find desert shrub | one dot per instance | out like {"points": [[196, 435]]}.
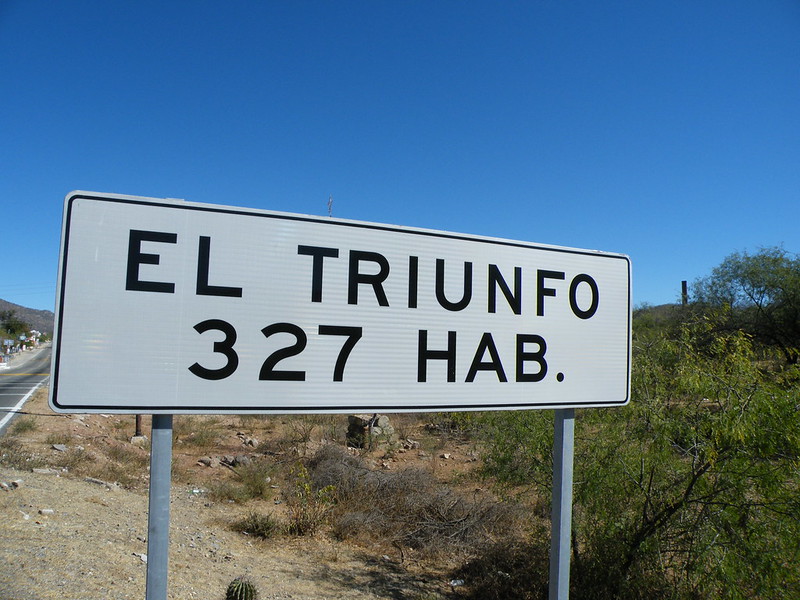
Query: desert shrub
{"points": [[201, 432], [255, 478], [128, 455], [251, 480], [14, 455], [23, 425], [227, 491], [113, 472], [254, 422], [307, 506], [301, 428], [409, 508], [126, 465], [259, 525], [506, 570], [75, 460], [58, 438]]}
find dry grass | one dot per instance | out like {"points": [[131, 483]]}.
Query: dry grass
{"points": [[58, 438], [14, 454], [23, 425], [260, 525], [75, 460], [197, 432], [251, 481], [409, 509], [507, 570]]}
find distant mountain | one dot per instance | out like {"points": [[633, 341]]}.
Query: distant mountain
{"points": [[40, 320]]}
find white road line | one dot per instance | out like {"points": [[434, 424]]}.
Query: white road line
{"points": [[19, 404]]}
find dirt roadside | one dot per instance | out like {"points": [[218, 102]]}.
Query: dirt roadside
{"points": [[64, 537], [91, 548]]}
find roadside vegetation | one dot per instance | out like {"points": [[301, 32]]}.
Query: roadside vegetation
{"points": [[690, 492]]}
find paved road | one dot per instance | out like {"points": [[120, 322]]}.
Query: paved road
{"points": [[18, 382]]}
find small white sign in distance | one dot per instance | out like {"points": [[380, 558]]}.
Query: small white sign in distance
{"points": [[167, 306]]}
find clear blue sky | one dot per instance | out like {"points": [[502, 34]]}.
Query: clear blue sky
{"points": [[668, 131]]}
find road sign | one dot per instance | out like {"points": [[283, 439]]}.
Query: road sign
{"points": [[170, 307]]}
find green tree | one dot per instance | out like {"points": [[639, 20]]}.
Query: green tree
{"points": [[688, 492], [761, 293], [11, 324]]}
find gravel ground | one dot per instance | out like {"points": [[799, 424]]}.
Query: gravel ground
{"points": [[64, 537], [90, 548]]}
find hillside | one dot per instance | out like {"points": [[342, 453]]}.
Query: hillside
{"points": [[75, 522], [41, 320]]}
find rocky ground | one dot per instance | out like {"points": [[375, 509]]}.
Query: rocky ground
{"points": [[71, 532]]}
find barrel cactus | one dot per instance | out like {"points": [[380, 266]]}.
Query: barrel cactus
{"points": [[241, 588]]}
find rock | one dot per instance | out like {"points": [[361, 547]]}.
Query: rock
{"points": [[139, 440], [60, 447], [445, 456], [110, 486], [4, 486], [209, 461], [359, 420], [241, 460], [46, 471], [16, 484], [46, 511], [369, 430]]}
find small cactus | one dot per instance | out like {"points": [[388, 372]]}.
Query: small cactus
{"points": [[241, 588]]}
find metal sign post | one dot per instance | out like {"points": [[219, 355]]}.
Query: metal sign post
{"points": [[561, 519], [158, 511]]}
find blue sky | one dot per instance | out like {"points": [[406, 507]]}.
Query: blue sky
{"points": [[668, 131]]}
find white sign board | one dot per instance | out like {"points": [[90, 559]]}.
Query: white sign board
{"points": [[167, 306]]}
